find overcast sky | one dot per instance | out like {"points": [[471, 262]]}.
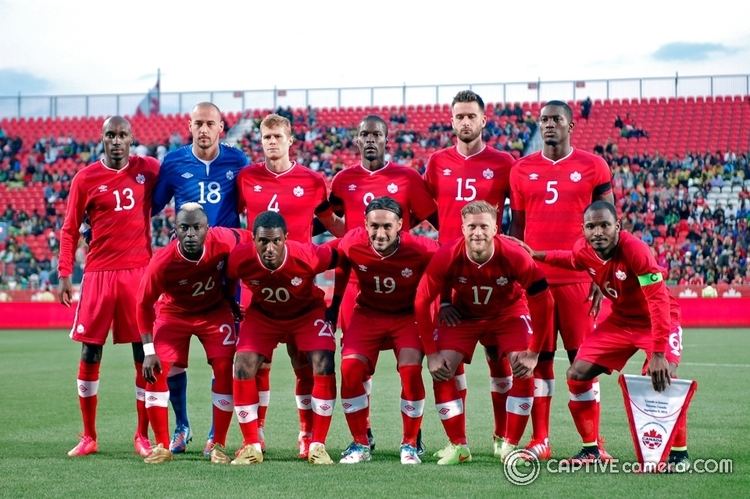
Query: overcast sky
{"points": [[95, 46]]}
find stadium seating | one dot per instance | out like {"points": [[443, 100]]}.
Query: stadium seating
{"points": [[703, 128]]}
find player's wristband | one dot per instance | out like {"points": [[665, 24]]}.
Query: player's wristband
{"points": [[148, 349]]}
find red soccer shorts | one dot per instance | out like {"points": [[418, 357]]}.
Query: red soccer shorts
{"points": [[611, 345], [572, 317], [107, 300], [510, 332], [370, 331], [261, 334], [214, 329]]}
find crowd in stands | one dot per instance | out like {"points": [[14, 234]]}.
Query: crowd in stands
{"points": [[665, 201]]}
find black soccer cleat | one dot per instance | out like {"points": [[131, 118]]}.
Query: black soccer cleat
{"points": [[371, 439], [421, 447]]}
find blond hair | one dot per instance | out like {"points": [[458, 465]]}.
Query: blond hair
{"points": [[274, 120], [478, 207]]}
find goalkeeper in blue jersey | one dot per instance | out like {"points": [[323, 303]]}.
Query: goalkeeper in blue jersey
{"points": [[202, 172]]}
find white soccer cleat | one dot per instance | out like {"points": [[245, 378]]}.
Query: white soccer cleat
{"points": [[410, 455], [358, 453]]}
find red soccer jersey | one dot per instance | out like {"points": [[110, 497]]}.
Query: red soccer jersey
{"points": [[187, 287], [479, 291], [354, 187], [290, 290], [454, 180], [554, 195], [118, 204], [386, 284], [294, 194], [632, 280]]}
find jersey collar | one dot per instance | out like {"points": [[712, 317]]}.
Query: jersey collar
{"points": [[277, 175], [559, 160], [373, 172], [484, 146], [182, 255]]}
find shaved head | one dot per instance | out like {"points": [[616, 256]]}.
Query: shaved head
{"points": [[113, 121]]}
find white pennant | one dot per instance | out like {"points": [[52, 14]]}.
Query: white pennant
{"points": [[652, 416]]}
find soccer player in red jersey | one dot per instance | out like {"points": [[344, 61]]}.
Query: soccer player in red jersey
{"points": [[284, 186], [549, 191], [388, 263], [354, 187], [487, 276], [456, 176], [644, 317], [287, 307], [115, 194], [187, 280]]}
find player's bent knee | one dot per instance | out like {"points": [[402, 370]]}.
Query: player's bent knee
{"points": [[246, 365], [322, 362], [409, 357], [138, 355], [576, 373], [90, 353], [490, 353], [584, 371]]}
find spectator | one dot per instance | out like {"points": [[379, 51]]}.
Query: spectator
{"points": [[586, 108]]}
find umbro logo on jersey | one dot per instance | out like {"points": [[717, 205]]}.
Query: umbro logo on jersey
{"points": [[220, 265], [575, 177], [488, 174], [621, 275], [298, 191], [296, 281], [533, 176], [257, 188], [463, 280], [592, 271], [407, 272], [502, 281], [187, 175], [103, 188], [140, 178], [230, 175], [392, 188], [254, 282], [352, 187], [447, 172], [182, 282], [363, 268]]}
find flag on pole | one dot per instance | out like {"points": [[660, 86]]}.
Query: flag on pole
{"points": [[150, 103], [653, 416]]}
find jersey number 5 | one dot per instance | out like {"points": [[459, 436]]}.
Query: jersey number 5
{"points": [[551, 188]]}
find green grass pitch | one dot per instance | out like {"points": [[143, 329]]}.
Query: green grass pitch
{"points": [[39, 423]]}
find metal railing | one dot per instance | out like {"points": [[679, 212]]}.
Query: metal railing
{"points": [[54, 106]]}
